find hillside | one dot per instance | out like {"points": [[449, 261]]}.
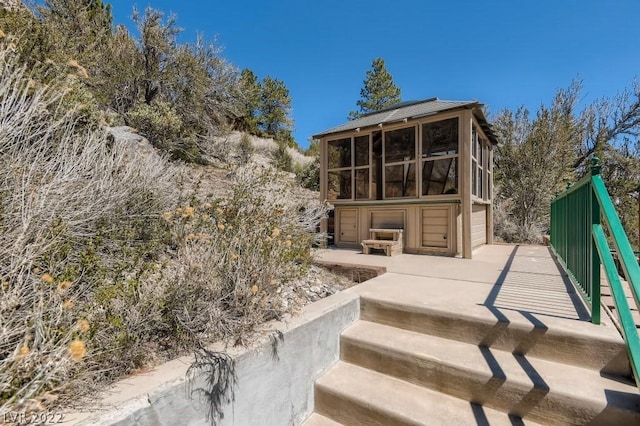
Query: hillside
{"points": [[118, 252]]}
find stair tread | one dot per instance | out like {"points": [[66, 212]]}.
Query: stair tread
{"points": [[319, 420], [557, 339], [398, 402], [468, 302], [474, 359], [439, 357]]}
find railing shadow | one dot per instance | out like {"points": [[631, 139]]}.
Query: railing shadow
{"points": [[581, 310], [539, 387], [482, 420]]}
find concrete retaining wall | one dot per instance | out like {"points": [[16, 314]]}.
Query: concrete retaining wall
{"points": [[274, 380]]}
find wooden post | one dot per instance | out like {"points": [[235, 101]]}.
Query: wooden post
{"points": [[490, 205], [465, 184]]}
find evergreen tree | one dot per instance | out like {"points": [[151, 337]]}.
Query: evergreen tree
{"points": [[538, 155], [157, 45], [379, 90], [275, 106], [249, 89]]}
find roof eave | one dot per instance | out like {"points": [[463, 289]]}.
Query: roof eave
{"points": [[415, 117]]}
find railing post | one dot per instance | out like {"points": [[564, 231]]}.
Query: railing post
{"points": [[594, 258]]}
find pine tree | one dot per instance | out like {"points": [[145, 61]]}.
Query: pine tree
{"points": [[379, 90], [274, 110], [250, 102]]}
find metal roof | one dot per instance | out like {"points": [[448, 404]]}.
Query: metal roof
{"points": [[410, 110]]}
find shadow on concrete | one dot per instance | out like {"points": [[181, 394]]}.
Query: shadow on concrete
{"points": [[544, 291], [578, 304], [482, 420], [630, 401], [540, 388]]}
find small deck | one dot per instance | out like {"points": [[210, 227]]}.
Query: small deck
{"points": [[503, 281]]}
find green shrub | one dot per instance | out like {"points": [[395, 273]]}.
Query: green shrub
{"points": [[309, 175], [282, 159], [159, 122]]}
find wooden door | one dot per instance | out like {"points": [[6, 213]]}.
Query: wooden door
{"points": [[347, 222]]}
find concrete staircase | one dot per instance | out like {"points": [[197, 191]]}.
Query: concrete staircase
{"points": [[409, 362]]}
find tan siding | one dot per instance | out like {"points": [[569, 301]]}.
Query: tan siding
{"points": [[479, 225], [389, 219], [436, 229], [348, 226]]}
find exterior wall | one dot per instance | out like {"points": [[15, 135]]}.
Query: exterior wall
{"points": [[429, 228], [479, 225], [454, 230], [274, 379]]}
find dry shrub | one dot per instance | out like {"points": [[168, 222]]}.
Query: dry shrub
{"points": [[507, 229], [75, 211], [95, 280], [236, 253]]}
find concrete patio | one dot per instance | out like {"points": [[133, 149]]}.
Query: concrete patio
{"points": [[507, 277]]}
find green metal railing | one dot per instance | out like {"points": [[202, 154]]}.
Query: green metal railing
{"points": [[580, 243]]}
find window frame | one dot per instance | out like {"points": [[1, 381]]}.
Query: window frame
{"points": [[351, 168], [424, 160], [414, 161], [483, 162]]}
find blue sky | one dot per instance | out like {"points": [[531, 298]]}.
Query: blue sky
{"points": [[503, 53]]}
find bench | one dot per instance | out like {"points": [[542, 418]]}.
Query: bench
{"points": [[389, 240]]}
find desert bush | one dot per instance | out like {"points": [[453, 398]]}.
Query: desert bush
{"points": [[506, 227], [246, 149], [159, 122], [282, 159], [76, 213], [236, 253], [101, 273], [309, 175]]}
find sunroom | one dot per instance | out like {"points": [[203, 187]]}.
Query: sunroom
{"points": [[423, 167]]}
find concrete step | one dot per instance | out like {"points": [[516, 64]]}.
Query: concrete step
{"points": [[319, 420], [528, 387], [354, 395], [568, 341]]}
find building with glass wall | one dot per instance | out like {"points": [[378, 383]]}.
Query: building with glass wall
{"points": [[424, 167]]}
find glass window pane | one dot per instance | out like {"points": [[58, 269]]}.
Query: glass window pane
{"points": [[488, 195], [474, 174], [400, 145], [362, 183], [361, 144], [339, 185], [339, 153], [440, 138], [400, 180], [480, 192], [440, 177], [474, 142]]}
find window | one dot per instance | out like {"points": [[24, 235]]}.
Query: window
{"points": [[362, 164], [339, 153], [400, 163], [339, 176], [339, 185], [345, 180], [440, 157], [481, 162]]}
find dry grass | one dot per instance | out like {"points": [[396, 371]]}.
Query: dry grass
{"points": [[107, 262], [63, 192]]}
